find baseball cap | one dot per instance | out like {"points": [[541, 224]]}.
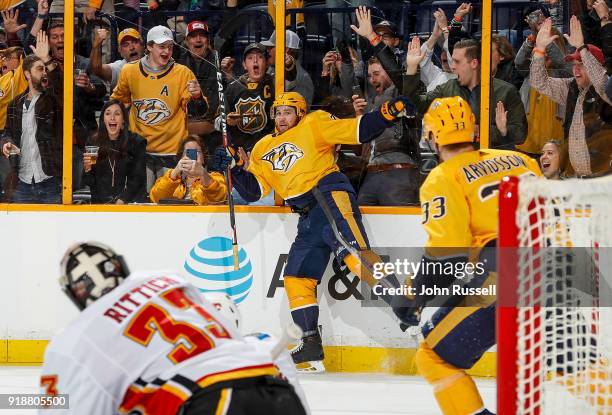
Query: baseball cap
{"points": [[292, 40], [196, 25], [129, 32], [595, 51], [159, 35], [254, 47], [387, 27]]}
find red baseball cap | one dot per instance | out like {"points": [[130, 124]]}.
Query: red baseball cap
{"points": [[595, 51], [196, 25]]}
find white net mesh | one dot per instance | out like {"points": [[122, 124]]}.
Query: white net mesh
{"points": [[565, 351]]}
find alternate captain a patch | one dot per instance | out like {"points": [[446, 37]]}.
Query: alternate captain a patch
{"points": [[283, 157]]}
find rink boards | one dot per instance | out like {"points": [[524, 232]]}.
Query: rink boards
{"points": [[192, 241]]}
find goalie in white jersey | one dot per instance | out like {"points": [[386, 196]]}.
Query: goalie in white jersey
{"points": [[150, 344]]}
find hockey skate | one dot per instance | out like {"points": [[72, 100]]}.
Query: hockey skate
{"points": [[308, 354]]}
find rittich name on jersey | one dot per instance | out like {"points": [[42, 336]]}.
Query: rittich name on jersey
{"points": [[475, 171], [137, 296]]}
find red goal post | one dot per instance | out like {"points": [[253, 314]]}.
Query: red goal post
{"points": [[554, 359]]}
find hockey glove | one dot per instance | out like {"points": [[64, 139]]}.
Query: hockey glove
{"points": [[395, 108], [224, 158], [406, 311]]}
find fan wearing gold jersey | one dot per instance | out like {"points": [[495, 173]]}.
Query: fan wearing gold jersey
{"points": [[158, 90], [459, 202], [292, 161], [12, 81]]}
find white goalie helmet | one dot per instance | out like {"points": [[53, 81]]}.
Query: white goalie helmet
{"points": [[89, 270], [225, 305]]}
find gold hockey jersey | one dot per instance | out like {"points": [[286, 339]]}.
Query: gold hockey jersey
{"points": [[459, 199], [12, 83], [158, 104], [292, 163]]}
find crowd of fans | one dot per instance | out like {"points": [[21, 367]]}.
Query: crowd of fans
{"points": [[144, 123]]}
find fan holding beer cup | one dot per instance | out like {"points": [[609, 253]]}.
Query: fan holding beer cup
{"points": [[90, 157], [114, 159]]}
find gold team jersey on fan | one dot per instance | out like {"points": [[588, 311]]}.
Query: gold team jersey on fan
{"points": [[158, 104], [459, 199], [9, 4], [12, 84], [293, 162]]}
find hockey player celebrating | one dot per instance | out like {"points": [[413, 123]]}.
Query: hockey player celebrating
{"points": [[459, 202], [150, 344], [297, 161]]}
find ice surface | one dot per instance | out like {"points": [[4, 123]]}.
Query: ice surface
{"points": [[328, 394]]}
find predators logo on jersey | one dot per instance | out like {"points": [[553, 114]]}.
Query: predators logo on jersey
{"points": [[283, 157], [151, 111], [254, 117]]}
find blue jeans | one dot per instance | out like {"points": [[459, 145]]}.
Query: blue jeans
{"points": [[48, 192]]}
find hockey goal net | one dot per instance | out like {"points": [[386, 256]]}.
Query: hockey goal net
{"points": [[554, 325]]}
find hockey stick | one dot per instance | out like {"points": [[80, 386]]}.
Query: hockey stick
{"points": [[340, 238], [228, 173], [353, 251], [291, 333]]}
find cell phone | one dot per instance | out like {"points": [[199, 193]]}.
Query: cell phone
{"points": [[192, 153], [356, 90]]}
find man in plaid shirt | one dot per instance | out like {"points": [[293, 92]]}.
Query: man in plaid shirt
{"points": [[588, 135]]}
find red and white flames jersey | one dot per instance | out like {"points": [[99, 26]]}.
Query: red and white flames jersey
{"points": [[144, 347]]}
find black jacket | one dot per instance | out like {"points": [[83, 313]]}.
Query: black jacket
{"points": [[606, 42], [49, 132], [130, 173], [206, 74]]}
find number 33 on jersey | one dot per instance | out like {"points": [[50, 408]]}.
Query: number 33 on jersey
{"points": [[459, 197], [143, 347]]}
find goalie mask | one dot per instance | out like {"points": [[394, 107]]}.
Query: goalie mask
{"points": [[89, 270], [224, 305]]}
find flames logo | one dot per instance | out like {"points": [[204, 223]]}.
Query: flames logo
{"points": [[151, 111], [283, 157], [254, 117]]}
